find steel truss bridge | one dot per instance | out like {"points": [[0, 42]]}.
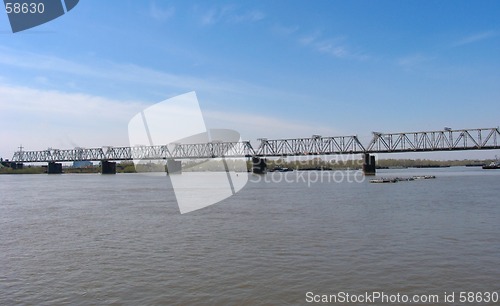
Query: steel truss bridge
{"points": [[426, 141]]}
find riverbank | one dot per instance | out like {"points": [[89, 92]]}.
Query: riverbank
{"points": [[314, 164]]}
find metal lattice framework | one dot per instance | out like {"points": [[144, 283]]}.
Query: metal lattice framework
{"points": [[315, 145], [468, 139], [171, 151], [446, 140], [53, 155]]}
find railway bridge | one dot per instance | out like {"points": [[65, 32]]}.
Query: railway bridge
{"points": [[422, 141]]}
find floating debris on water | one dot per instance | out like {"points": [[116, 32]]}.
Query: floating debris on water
{"points": [[424, 177], [402, 179]]}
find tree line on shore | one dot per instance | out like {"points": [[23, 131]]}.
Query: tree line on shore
{"points": [[236, 165]]}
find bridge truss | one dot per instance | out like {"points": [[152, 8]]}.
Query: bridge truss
{"points": [[171, 151], [315, 145], [446, 140]]}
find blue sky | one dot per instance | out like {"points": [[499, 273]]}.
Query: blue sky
{"points": [[265, 68]]}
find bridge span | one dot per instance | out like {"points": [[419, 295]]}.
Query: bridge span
{"points": [[423, 141]]}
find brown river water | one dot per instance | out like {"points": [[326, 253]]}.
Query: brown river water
{"points": [[90, 239]]}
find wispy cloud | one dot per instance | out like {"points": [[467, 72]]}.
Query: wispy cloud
{"points": [[250, 16], [42, 118], [29, 112], [335, 47], [413, 61], [161, 14], [249, 124], [124, 74], [230, 14], [38, 102], [39, 61], [210, 17], [474, 38], [309, 39], [332, 49], [284, 30], [118, 72]]}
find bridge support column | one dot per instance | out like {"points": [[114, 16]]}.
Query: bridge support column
{"points": [[369, 165], [54, 168], [259, 165], [173, 166], [108, 167]]}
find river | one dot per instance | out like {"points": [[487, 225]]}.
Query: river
{"points": [[86, 239]]}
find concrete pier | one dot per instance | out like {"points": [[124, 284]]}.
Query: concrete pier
{"points": [[108, 167], [259, 165], [369, 164], [173, 166], [54, 168]]}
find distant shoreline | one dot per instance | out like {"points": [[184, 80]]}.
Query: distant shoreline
{"points": [[315, 164]]}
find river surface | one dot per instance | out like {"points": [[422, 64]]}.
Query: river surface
{"points": [[90, 239]]}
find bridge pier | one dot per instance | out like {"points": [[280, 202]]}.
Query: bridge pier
{"points": [[369, 164], [108, 167], [173, 166], [54, 168], [259, 165]]}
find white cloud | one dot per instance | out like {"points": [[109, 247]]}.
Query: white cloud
{"points": [[161, 14], [284, 30], [210, 17], [118, 72], [414, 61], [38, 61], [42, 80], [250, 16], [230, 14], [43, 102], [256, 125], [331, 46], [127, 75], [58, 118], [474, 38], [41, 118], [309, 39]]}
